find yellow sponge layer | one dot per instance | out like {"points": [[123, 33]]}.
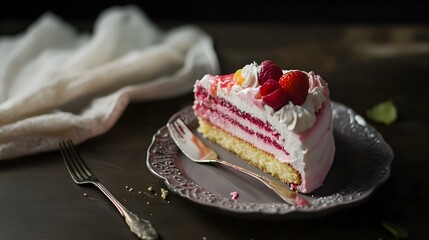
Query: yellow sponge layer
{"points": [[258, 158]]}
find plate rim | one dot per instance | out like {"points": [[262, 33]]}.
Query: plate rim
{"points": [[176, 181]]}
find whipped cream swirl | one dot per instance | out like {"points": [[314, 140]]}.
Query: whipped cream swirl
{"points": [[250, 75], [299, 118]]}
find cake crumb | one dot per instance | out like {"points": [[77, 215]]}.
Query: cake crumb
{"points": [[234, 195], [164, 193], [126, 186], [130, 189], [150, 189], [85, 194]]}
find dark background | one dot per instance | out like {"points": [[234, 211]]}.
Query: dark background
{"points": [[365, 11], [29, 194]]}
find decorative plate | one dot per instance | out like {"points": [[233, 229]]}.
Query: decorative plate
{"points": [[362, 162]]}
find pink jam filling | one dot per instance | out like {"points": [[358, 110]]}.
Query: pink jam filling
{"points": [[202, 94]]}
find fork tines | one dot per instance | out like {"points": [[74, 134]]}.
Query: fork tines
{"points": [[180, 127], [74, 162]]}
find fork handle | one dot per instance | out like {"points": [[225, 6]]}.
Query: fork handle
{"points": [[140, 227], [284, 193]]}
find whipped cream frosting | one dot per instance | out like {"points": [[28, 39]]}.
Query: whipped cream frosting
{"points": [[250, 75], [297, 118]]}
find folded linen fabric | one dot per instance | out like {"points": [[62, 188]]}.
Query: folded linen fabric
{"points": [[58, 83]]}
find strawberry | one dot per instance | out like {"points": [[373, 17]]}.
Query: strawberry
{"points": [[269, 70], [276, 99], [295, 84]]}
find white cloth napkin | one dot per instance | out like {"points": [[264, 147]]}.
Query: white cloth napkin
{"points": [[57, 83]]}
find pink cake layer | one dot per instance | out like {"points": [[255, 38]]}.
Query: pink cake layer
{"points": [[314, 148]]}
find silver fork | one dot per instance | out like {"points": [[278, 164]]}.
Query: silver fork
{"points": [[199, 152], [81, 174]]}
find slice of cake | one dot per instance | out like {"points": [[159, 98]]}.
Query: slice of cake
{"points": [[277, 120]]}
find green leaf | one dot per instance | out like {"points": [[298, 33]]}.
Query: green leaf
{"points": [[384, 112], [395, 230]]}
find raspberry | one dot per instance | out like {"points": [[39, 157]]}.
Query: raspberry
{"points": [[276, 99], [269, 70], [295, 84], [268, 87]]}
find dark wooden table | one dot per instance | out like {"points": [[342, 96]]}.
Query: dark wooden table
{"points": [[363, 64]]}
